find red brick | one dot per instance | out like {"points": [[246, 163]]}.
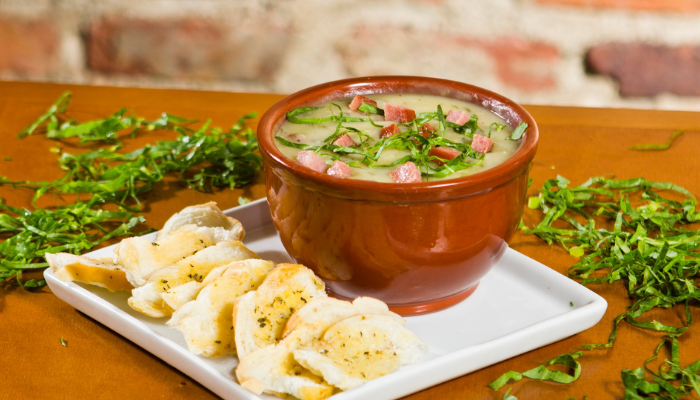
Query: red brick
{"points": [[522, 64], [647, 70], [28, 48], [525, 65], [186, 48], [644, 5]]}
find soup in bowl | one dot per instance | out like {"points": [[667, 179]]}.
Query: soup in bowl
{"points": [[417, 225]]}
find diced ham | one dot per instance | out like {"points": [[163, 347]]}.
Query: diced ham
{"points": [[457, 117], [340, 170], [389, 130], [482, 144], [344, 140], [359, 100], [399, 114], [308, 159], [407, 173], [427, 130], [443, 152]]}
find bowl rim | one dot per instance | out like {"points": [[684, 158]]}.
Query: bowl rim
{"points": [[507, 109]]}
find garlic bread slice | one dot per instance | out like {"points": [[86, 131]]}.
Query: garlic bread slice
{"points": [[147, 300], [273, 370], [180, 295], [206, 215], [99, 272], [260, 316], [140, 257], [358, 349], [311, 321], [207, 322]]}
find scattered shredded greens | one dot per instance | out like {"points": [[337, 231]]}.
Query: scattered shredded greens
{"points": [[664, 146], [625, 230], [58, 125], [201, 158], [518, 131], [243, 200], [414, 140], [74, 228]]}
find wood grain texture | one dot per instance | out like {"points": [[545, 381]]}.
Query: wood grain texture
{"points": [[575, 142]]}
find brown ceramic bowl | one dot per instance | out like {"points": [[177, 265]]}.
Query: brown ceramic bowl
{"points": [[420, 247]]}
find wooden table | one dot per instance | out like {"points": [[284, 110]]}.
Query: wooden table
{"points": [[575, 142]]}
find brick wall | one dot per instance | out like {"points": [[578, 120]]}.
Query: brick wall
{"points": [[619, 53]]}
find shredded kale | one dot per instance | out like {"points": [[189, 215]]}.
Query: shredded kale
{"points": [[664, 146], [518, 132], [108, 182], [624, 230], [412, 140]]}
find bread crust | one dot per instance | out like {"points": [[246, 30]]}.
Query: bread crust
{"points": [[273, 367], [99, 272], [260, 316], [147, 298], [207, 321], [206, 215], [361, 348]]}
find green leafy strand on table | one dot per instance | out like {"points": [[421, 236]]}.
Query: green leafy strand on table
{"points": [[664, 146], [58, 125], [73, 228], [201, 158], [649, 247]]}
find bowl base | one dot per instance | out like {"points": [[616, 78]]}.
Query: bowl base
{"points": [[426, 307]]}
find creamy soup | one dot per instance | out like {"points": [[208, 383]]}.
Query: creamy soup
{"points": [[400, 138]]}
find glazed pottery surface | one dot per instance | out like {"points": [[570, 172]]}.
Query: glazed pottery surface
{"points": [[420, 247]]}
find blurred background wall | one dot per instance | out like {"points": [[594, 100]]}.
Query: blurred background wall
{"points": [[614, 53]]}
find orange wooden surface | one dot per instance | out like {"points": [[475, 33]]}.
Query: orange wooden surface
{"points": [[575, 142]]}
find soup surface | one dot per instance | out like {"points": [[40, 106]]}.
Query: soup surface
{"points": [[401, 138]]}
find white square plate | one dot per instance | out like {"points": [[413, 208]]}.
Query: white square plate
{"points": [[519, 306]]}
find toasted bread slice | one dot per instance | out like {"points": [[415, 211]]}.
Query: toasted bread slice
{"points": [[206, 215], [140, 257], [358, 349], [207, 322], [180, 295], [312, 320], [259, 317], [147, 300], [273, 370], [100, 272]]}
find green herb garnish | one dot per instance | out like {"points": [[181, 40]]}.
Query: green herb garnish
{"points": [[292, 116], [370, 109], [665, 146], [625, 230], [74, 228], [59, 126], [243, 200], [518, 132], [63, 342], [412, 141], [200, 158], [59, 107]]}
